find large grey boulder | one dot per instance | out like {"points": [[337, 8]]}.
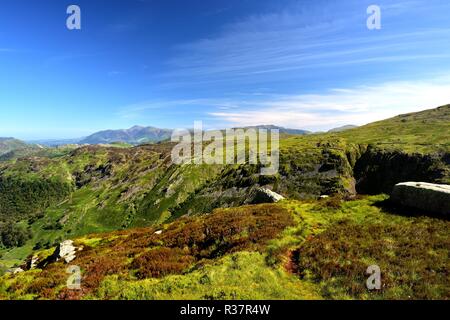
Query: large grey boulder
{"points": [[264, 195], [429, 197]]}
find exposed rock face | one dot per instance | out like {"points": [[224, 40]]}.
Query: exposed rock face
{"points": [[66, 251], [378, 171], [32, 262], [434, 198], [263, 195]]}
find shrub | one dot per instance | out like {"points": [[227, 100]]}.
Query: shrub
{"points": [[184, 244], [413, 259], [13, 236], [227, 230], [161, 262], [26, 198]]}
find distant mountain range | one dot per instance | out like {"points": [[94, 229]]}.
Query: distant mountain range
{"points": [[11, 148], [135, 135], [138, 135]]}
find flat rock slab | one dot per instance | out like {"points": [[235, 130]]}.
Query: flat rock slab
{"points": [[429, 197]]}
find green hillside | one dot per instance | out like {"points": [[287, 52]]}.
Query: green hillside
{"points": [[104, 188], [426, 131], [58, 194], [8, 145], [11, 149]]}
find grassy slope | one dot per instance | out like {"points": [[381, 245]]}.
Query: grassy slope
{"points": [[132, 187], [114, 188], [426, 131], [9, 144], [12, 148], [338, 240]]}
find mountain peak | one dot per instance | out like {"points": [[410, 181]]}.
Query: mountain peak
{"points": [[137, 127], [134, 135]]}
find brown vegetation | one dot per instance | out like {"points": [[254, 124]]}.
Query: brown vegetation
{"points": [[413, 259], [143, 254]]}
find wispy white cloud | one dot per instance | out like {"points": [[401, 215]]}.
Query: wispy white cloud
{"points": [[299, 39], [311, 42], [359, 105], [340, 106]]}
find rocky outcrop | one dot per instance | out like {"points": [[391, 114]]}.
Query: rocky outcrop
{"points": [[378, 171], [32, 262], [66, 251], [433, 198], [263, 195]]}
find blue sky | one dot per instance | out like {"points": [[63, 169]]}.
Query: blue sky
{"points": [[166, 63]]}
